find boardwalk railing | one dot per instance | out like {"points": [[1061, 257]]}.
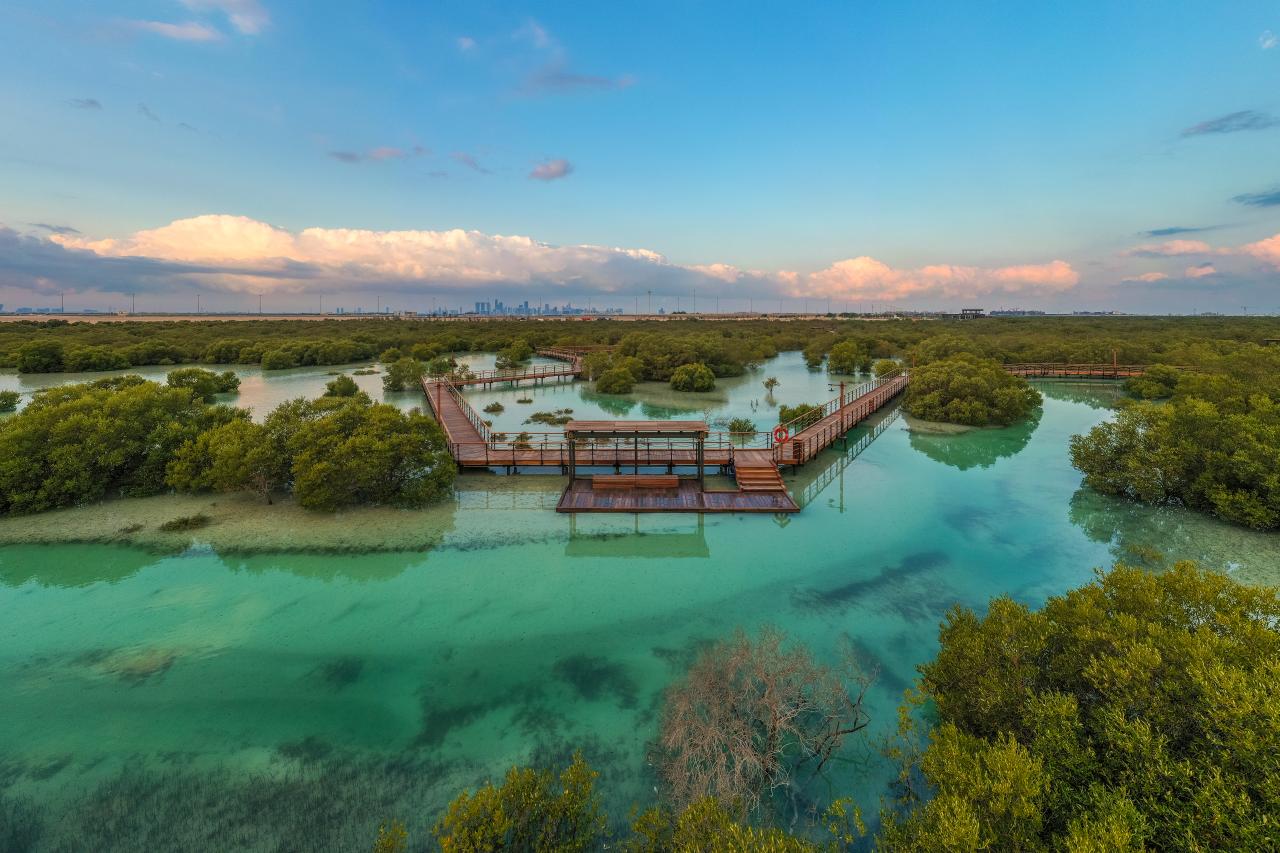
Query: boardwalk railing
{"points": [[816, 430], [572, 356], [552, 450], [434, 387], [473, 443], [810, 418], [1059, 369]]}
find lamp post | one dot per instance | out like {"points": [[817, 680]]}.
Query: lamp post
{"points": [[841, 409]]}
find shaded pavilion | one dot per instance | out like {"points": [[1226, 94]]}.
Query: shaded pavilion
{"points": [[664, 443]]}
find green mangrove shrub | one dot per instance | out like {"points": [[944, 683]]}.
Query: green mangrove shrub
{"points": [[967, 389], [693, 377], [1119, 716]]}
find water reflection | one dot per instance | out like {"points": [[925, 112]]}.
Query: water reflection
{"points": [[664, 412], [1095, 395], [595, 540], [613, 404], [378, 566], [977, 448], [812, 480], [1139, 534], [71, 566]]}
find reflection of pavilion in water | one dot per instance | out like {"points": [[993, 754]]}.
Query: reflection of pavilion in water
{"points": [[596, 535], [614, 541]]}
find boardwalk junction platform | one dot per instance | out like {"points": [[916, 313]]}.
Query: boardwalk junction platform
{"points": [[661, 466]]}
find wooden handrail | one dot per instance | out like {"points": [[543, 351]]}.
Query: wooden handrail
{"points": [[832, 405]]}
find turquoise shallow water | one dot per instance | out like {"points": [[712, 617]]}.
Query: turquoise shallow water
{"points": [[294, 701]]}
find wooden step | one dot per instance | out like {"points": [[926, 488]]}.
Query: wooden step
{"points": [[755, 474]]}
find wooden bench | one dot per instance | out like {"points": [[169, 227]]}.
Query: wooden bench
{"points": [[635, 481]]}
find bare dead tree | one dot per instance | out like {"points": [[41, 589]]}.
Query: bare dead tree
{"points": [[751, 715]]}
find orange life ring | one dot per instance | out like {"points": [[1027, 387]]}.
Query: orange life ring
{"points": [[780, 435]]}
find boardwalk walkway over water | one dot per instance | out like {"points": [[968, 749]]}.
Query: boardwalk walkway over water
{"points": [[753, 458], [1051, 370], [474, 444], [570, 367], [820, 430]]}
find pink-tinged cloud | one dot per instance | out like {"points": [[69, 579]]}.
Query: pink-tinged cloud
{"points": [[868, 278], [1171, 248], [1235, 258], [1267, 250], [380, 154], [551, 170], [189, 31]]}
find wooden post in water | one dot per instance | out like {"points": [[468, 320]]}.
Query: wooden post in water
{"points": [[573, 458]]}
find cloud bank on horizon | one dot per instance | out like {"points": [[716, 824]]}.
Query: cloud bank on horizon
{"points": [[240, 254]]}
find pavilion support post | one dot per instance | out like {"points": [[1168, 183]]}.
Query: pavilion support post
{"points": [[700, 458], [573, 459]]}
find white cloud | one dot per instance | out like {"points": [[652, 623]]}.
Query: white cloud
{"points": [[189, 31], [257, 254], [466, 43], [247, 16], [536, 34], [550, 170], [1148, 277], [724, 272], [1200, 271], [1268, 40]]}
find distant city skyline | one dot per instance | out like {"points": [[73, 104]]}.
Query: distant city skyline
{"points": [[916, 156]]}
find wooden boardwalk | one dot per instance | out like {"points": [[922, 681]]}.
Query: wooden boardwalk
{"points": [[569, 366], [474, 445], [838, 417], [1049, 370], [756, 468]]}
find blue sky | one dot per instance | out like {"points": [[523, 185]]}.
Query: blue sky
{"points": [[919, 155]]}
